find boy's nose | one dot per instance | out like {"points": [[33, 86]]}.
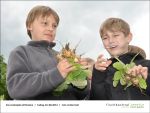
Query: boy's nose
{"points": [[110, 39], [50, 28]]}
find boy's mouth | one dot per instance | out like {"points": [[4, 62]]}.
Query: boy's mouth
{"points": [[111, 47], [50, 35]]}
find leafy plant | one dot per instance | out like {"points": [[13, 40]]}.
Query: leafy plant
{"points": [[125, 79], [77, 77], [3, 90]]}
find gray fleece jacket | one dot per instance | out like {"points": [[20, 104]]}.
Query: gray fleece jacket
{"points": [[32, 74]]}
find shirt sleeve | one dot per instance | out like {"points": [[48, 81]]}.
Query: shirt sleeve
{"points": [[22, 83], [98, 85]]}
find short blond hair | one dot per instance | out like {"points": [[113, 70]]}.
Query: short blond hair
{"points": [[38, 11], [114, 24]]}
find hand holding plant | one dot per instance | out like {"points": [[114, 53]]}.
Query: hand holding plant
{"points": [[76, 74], [130, 74]]}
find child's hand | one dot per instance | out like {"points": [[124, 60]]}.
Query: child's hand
{"points": [[102, 63], [139, 70], [64, 67]]}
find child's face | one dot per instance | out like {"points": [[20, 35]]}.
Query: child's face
{"points": [[43, 28], [116, 43]]}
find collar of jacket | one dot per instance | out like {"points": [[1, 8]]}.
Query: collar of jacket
{"points": [[136, 49], [126, 58], [42, 43]]}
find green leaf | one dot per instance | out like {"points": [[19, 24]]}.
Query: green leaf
{"points": [[117, 75], [79, 83], [77, 77], [123, 81], [129, 66], [60, 89], [82, 76], [73, 74], [115, 83], [142, 83], [123, 70], [77, 74], [118, 66]]}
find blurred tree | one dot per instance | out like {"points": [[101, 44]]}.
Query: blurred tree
{"points": [[3, 89]]}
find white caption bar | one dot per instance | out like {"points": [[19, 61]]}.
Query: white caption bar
{"points": [[75, 106]]}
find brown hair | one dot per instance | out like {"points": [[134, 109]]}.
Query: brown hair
{"points": [[37, 11], [114, 24]]}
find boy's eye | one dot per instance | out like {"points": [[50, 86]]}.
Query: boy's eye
{"points": [[44, 23], [54, 26], [104, 38], [115, 35]]}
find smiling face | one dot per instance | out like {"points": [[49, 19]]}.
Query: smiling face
{"points": [[43, 28], [116, 43], [116, 36]]}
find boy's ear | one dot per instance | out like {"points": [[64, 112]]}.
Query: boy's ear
{"points": [[29, 27], [129, 37]]}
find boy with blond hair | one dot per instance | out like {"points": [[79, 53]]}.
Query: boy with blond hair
{"points": [[116, 36], [33, 70]]}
